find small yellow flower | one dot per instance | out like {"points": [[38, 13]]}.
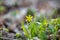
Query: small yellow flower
{"points": [[29, 18]]}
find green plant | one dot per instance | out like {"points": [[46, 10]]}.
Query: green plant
{"points": [[41, 28], [35, 29], [30, 12]]}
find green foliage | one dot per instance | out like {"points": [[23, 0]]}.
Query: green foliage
{"points": [[39, 30], [42, 32], [35, 29], [24, 29], [30, 12]]}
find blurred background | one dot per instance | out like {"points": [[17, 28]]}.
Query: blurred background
{"points": [[40, 6], [13, 12]]}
